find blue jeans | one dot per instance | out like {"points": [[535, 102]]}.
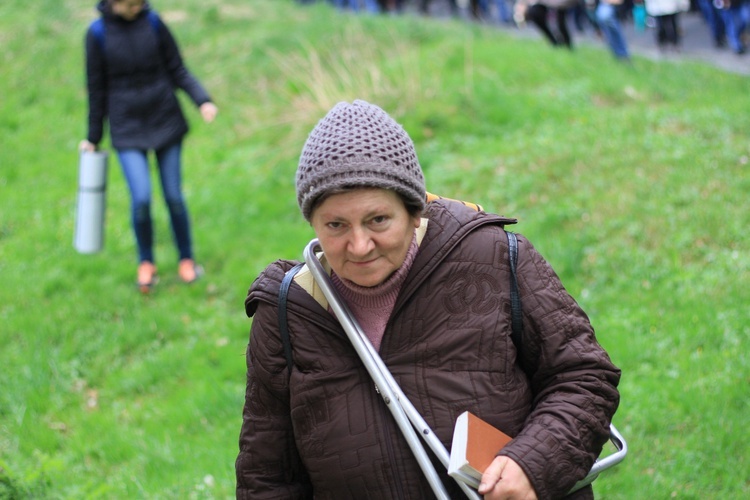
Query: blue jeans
{"points": [[504, 12], [735, 21], [136, 169], [370, 5], [606, 18], [713, 19]]}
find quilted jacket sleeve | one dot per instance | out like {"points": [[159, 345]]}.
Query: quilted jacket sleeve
{"points": [[96, 87], [178, 72], [573, 381], [268, 465]]}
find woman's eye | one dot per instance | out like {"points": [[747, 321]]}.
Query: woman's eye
{"points": [[334, 225], [379, 219]]}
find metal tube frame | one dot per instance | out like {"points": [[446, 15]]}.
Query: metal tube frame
{"points": [[407, 417]]}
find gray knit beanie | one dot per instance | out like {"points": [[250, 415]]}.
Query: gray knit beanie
{"points": [[358, 145]]}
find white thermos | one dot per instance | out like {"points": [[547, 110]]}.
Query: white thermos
{"points": [[92, 187]]}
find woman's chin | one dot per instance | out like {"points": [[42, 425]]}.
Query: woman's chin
{"points": [[366, 280]]}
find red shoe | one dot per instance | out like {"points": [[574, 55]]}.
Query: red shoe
{"points": [[189, 271], [147, 276]]}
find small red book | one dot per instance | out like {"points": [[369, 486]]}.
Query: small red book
{"points": [[475, 446]]}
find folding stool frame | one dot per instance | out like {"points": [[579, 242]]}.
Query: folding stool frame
{"points": [[406, 415]]}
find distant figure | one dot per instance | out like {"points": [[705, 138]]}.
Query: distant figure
{"points": [[478, 9], [371, 6], [393, 6], [538, 11], [665, 13], [504, 11], [713, 19], [424, 7], [735, 15], [133, 65], [606, 18]]}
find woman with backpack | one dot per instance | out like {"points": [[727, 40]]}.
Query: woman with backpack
{"points": [[429, 282], [133, 66]]}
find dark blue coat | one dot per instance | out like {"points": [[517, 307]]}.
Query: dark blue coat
{"points": [[132, 70]]}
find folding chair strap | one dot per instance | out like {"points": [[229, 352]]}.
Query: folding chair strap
{"points": [[516, 314]]}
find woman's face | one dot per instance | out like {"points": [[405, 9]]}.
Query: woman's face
{"points": [[365, 233], [127, 9]]}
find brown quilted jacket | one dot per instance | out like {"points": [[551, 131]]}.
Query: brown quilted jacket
{"points": [[325, 432]]}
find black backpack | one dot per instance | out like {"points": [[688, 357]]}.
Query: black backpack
{"points": [[98, 29]]}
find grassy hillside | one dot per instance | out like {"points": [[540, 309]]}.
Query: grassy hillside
{"points": [[632, 181]]}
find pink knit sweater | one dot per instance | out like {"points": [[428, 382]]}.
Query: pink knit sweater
{"points": [[372, 306]]}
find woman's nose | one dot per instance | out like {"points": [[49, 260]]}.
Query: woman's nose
{"points": [[360, 243]]}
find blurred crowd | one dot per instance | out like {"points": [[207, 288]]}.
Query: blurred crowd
{"points": [[726, 20]]}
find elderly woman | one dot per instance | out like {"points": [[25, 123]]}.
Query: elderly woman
{"points": [[429, 285]]}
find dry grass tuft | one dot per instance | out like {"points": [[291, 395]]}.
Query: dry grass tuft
{"points": [[349, 67]]}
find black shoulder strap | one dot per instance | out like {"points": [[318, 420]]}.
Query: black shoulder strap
{"points": [[516, 314], [283, 326], [154, 21], [97, 29]]}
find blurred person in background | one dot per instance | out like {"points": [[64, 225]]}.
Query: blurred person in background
{"points": [[735, 15], [713, 19], [606, 15], [133, 65], [424, 6], [666, 15], [538, 12], [504, 11], [371, 6]]}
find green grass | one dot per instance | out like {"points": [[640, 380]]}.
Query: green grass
{"points": [[632, 181]]}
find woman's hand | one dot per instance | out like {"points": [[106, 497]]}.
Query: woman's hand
{"points": [[85, 145], [504, 479], [208, 111]]}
